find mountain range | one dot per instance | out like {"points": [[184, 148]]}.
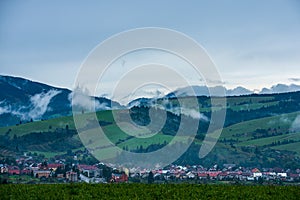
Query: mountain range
{"points": [[238, 91], [22, 100]]}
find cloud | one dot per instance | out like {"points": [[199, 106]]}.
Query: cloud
{"points": [[188, 112], [81, 101], [218, 82], [194, 114], [168, 106], [4, 109], [285, 119], [294, 79], [296, 124], [280, 88], [40, 102], [8, 109]]}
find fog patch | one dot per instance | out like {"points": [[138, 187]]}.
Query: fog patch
{"points": [[82, 101], [37, 107], [4, 109], [40, 102], [285, 119], [296, 124], [188, 112]]}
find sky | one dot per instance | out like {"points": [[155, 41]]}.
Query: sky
{"points": [[253, 43]]}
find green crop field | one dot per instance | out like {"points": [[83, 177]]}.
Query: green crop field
{"points": [[147, 191]]}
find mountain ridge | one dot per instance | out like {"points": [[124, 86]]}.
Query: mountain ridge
{"points": [[238, 91], [23, 100]]}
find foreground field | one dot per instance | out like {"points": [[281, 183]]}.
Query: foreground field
{"points": [[147, 191]]}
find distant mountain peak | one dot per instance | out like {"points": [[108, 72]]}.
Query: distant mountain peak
{"points": [[238, 91], [280, 88]]}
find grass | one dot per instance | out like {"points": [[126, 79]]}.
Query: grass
{"points": [[269, 140], [246, 128], [289, 147], [146, 191], [49, 125], [48, 154], [38, 126]]}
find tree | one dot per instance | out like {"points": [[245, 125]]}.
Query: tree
{"points": [[44, 164], [69, 152], [260, 180], [150, 177]]}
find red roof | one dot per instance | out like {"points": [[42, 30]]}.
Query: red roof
{"points": [[255, 170], [223, 174], [213, 174], [25, 171], [202, 174], [295, 175], [13, 170]]}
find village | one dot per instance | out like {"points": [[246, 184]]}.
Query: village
{"points": [[26, 169]]}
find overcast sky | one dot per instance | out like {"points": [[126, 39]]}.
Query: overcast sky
{"points": [[253, 43]]}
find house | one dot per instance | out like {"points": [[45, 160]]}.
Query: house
{"points": [[255, 170], [60, 176], [14, 170], [119, 177], [202, 175], [282, 175], [26, 171], [90, 170], [71, 176], [158, 176], [234, 175], [42, 173], [190, 175], [34, 166], [294, 177], [54, 166], [213, 174], [257, 174], [269, 175], [245, 175], [222, 175], [3, 169]]}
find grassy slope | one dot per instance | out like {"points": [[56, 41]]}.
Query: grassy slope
{"points": [[243, 132], [245, 129], [38, 126]]}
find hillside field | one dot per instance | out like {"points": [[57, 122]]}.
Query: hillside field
{"points": [[256, 128]]}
